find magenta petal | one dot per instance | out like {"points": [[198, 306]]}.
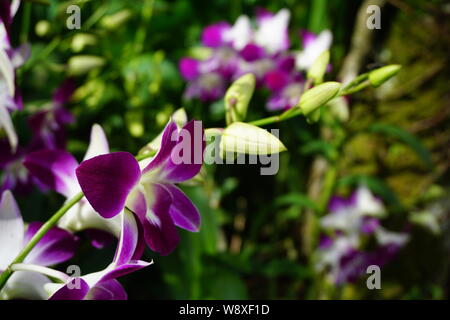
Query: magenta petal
{"points": [[99, 238], [189, 68], [56, 246], [168, 141], [183, 212], [128, 239], [307, 38], [276, 79], [107, 290], [159, 229], [213, 35], [72, 292], [106, 181], [252, 52], [64, 92], [55, 169], [186, 158], [125, 269]]}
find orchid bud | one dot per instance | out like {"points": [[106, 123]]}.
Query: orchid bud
{"points": [[318, 96], [238, 97], [180, 117], [249, 139], [318, 68], [82, 64], [115, 20], [314, 116], [42, 28], [378, 76], [81, 40]]}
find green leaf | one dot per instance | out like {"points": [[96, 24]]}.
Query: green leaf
{"points": [[405, 137], [319, 147], [295, 199]]}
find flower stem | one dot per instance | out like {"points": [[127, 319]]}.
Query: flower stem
{"points": [[291, 113], [38, 236]]}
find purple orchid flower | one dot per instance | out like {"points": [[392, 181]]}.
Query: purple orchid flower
{"points": [[114, 181], [14, 176], [48, 124], [55, 247], [103, 285], [313, 47], [272, 32], [55, 169], [351, 219], [261, 50]]}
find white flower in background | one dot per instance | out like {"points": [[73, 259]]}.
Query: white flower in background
{"points": [[313, 46]]}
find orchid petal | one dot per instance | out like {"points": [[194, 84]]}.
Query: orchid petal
{"points": [[7, 72], [25, 285], [107, 290], [168, 141], [106, 181], [183, 212], [7, 125], [55, 247], [151, 206], [11, 229], [98, 144], [186, 158], [55, 169], [71, 291], [128, 239], [214, 35]]}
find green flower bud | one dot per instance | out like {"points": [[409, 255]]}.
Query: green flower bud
{"points": [[81, 40], [115, 20], [378, 76], [249, 139], [318, 68], [42, 28], [318, 96], [238, 97], [82, 64]]}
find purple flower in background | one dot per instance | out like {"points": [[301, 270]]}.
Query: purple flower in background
{"points": [[14, 176], [102, 285], [313, 47], [114, 181], [48, 123], [352, 219], [261, 49], [55, 169], [55, 247]]}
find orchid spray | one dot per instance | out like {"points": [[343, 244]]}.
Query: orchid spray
{"points": [[136, 199]]}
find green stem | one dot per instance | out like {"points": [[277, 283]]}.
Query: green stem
{"points": [[38, 236], [291, 113], [25, 22]]}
